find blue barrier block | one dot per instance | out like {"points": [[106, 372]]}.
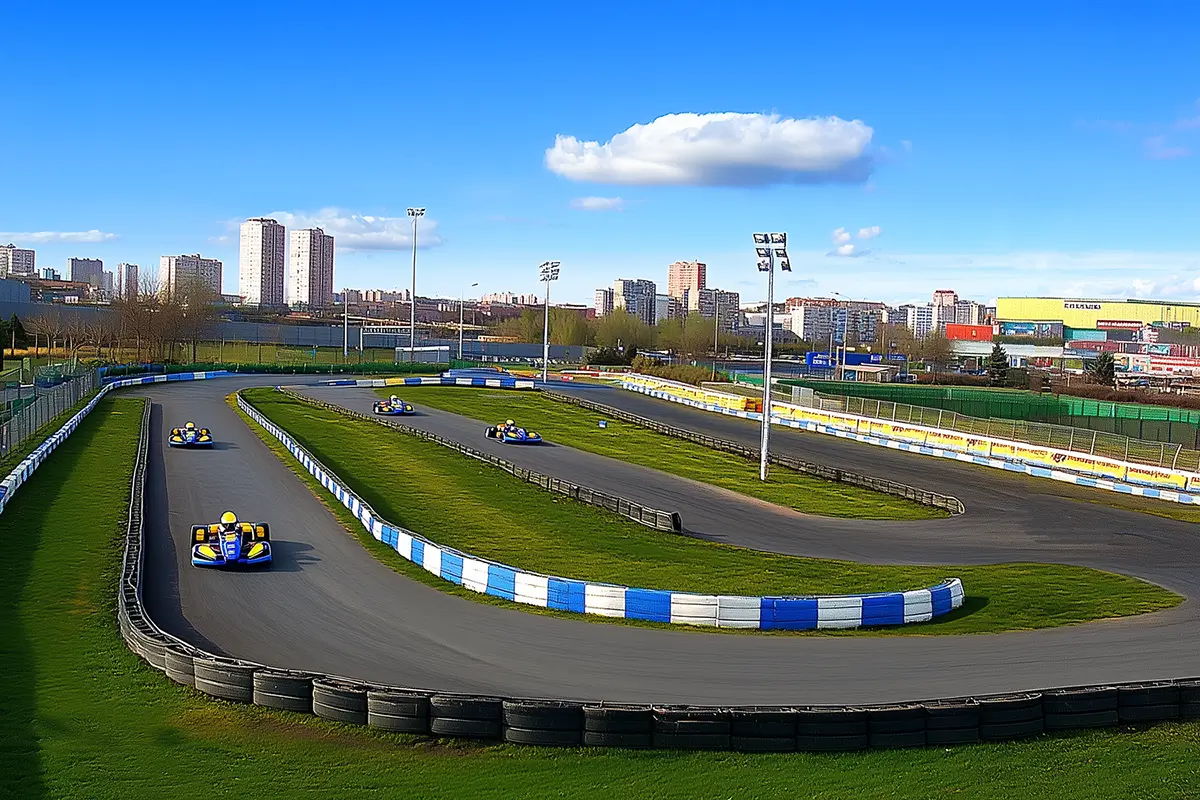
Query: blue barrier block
{"points": [[788, 613], [452, 565], [941, 599], [502, 581], [565, 595], [883, 609], [390, 536], [649, 604], [418, 552]]}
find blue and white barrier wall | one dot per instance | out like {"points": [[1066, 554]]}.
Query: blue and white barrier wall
{"points": [[30, 463], [607, 600], [437, 380], [1041, 462]]}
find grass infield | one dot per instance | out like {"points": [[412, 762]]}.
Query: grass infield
{"points": [[637, 445], [82, 717], [460, 502]]}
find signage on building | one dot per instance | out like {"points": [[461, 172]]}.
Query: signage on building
{"points": [[1081, 306], [1119, 324]]}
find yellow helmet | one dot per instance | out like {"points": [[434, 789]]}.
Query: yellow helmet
{"points": [[229, 518], [509, 422], [191, 425]]}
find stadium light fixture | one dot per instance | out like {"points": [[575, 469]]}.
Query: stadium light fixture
{"points": [[769, 248]]}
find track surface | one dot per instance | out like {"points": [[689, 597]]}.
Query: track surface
{"points": [[328, 605]]}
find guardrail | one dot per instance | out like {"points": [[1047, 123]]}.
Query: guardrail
{"points": [[1099, 473], [650, 517], [595, 723], [625, 602], [44, 406], [935, 499]]}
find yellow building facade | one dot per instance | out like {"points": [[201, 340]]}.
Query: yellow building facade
{"points": [[1084, 313]]}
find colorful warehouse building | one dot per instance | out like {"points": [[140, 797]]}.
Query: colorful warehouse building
{"points": [[1075, 312]]}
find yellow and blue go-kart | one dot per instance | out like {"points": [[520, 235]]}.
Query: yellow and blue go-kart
{"points": [[509, 433], [223, 545], [190, 436], [393, 408]]}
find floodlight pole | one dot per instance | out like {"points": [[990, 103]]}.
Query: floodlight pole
{"points": [[345, 325], [549, 272], [768, 248], [461, 300], [415, 213]]}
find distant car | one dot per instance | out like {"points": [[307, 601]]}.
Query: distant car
{"points": [[510, 433], [231, 542], [393, 407], [190, 436]]}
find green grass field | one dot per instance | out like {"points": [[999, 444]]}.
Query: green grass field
{"points": [[637, 445], [458, 501], [82, 717]]}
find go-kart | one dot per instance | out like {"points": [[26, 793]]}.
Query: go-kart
{"points": [[511, 434], [190, 436], [390, 409], [249, 543]]}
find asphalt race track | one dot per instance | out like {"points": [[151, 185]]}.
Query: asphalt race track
{"points": [[327, 605]]}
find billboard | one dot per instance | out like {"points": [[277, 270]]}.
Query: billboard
{"points": [[1040, 329], [1119, 324], [818, 360], [970, 333]]}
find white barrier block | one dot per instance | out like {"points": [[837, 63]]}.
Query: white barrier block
{"points": [[956, 593], [606, 601], [693, 609], [404, 546], [738, 612], [377, 529], [433, 559], [839, 612], [918, 606], [532, 590], [475, 575]]}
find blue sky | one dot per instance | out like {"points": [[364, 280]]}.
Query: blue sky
{"points": [[1007, 149]]}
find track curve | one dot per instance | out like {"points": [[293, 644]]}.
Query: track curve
{"points": [[329, 606]]}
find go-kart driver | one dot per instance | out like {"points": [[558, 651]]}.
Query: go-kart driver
{"points": [[229, 522], [395, 401], [191, 426]]}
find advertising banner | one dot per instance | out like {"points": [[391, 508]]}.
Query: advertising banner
{"points": [[1119, 324], [948, 440], [1136, 473]]}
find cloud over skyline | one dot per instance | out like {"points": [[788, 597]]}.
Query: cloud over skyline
{"points": [[720, 149], [43, 237], [597, 204], [353, 231]]}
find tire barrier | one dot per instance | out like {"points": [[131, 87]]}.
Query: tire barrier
{"points": [[548, 723], [467, 717], [398, 711], [1067, 466], [691, 729], [624, 602], [284, 690], [927, 498], [949, 721], [339, 701], [650, 517], [442, 380]]}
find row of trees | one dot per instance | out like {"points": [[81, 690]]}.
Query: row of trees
{"points": [[155, 325], [696, 335]]}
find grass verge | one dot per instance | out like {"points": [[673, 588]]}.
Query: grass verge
{"points": [[457, 501], [14, 457], [642, 446], [82, 717]]}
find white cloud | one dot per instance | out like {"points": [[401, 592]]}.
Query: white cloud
{"points": [[840, 236], [723, 149], [353, 231], [598, 204], [869, 233], [844, 250], [42, 237]]}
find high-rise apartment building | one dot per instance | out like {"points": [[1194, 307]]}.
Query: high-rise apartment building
{"points": [[174, 273], [685, 275], [603, 302], [715, 302], [968, 312], [945, 297], [86, 270], [922, 320], [16, 261], [262, 262], [667, 307], [106, 283], [310, 269], [127, 281], [636, 297]]}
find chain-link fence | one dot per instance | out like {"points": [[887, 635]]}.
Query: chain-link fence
{"points": [[39, 406]]}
